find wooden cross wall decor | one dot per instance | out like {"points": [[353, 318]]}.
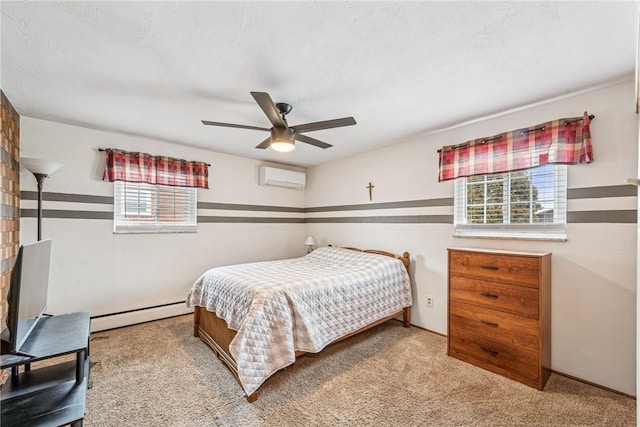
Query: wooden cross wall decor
{"points": [[370, 187]]}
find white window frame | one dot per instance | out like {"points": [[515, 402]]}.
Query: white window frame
{"points": [[143, 216], [556, 230]]}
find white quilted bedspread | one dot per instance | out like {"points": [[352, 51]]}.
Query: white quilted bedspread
{"points": [[280, 307]]}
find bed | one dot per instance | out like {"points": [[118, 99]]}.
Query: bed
{"points": [[259, 317]]}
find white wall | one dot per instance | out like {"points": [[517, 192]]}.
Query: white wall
{"points": [[94, 269], [593, 272]]}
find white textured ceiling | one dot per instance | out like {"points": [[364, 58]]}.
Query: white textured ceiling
{"points": [[401, 69]]}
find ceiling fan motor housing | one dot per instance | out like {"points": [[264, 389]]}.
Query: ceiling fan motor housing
{"points": [[282, 134]]}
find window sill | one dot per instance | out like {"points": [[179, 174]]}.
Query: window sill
{"points": [[511, 237], [154, 231]]}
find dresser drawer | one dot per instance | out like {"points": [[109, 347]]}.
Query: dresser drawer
{"points": [[508, 298], [519, 270], [487, 352], [495, 325]]}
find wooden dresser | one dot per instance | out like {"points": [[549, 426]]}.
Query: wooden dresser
{"points": [[500, 312]]}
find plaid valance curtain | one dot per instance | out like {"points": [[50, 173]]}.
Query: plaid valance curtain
{"points": [[142, 167], [561, 141]]}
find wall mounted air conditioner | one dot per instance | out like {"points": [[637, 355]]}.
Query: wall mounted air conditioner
{"points": [[281, 177]]}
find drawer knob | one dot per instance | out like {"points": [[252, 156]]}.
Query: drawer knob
{"points": [[488, 350], [493, 325], [489, 267], [489, 295]]}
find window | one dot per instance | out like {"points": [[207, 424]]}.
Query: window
{"points": [[148, 208], [522, 204]]}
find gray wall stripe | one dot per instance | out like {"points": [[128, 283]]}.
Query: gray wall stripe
{"points": [[55, 213], [611, 217], [585, 217], [404, 219], [108, 200], [604, 216], [599, 192], [572, 193], [67, 197], [67, 214], [575, 193], [448, 201], [255, 208], [576, 217], [246, 219]]}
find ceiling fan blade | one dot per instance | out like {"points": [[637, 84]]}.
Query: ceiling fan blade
{"points": [[231, 125], [312, 141], [264, 144], [264, 101], [327, 124]]}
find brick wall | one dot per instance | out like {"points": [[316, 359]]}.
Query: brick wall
{"points": [[9, 198]]}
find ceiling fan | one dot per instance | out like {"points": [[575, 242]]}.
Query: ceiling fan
{"points": [[283, 136]]}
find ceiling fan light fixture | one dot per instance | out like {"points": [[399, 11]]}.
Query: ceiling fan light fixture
{"points": [[282, 139], [283, 146]]}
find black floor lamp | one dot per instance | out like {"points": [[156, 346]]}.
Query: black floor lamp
{"points": [[40, 168]]}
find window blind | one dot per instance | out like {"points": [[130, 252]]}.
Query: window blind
{"points": [[530, 203], [148, 208]]}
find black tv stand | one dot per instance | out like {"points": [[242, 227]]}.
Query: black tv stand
{"points": [[54, 395]]}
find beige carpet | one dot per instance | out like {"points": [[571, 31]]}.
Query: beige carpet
{"points": [[158, 374]]}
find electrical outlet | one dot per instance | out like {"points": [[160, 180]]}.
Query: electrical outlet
{"points": [[429, 300]]}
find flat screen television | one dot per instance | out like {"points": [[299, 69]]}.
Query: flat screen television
{"points": [[27, 298]]}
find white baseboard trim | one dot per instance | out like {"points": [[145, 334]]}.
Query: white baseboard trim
{"points": [[118, 320]]}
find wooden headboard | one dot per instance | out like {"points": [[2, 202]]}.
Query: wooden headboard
{"points": [[405, 257]]}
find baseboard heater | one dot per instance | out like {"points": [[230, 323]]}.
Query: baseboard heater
{"points": [[138, 315]]}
